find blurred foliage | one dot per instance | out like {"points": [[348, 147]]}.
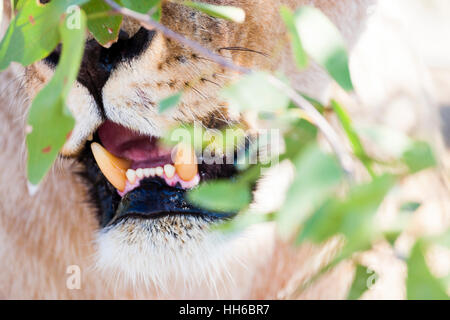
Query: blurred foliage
{"points": [[321, 202]]}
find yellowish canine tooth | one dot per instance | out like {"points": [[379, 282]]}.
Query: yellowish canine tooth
{"points": [[131, 176], [185, 162], [159, 171], [113, 168], [169, 170]]}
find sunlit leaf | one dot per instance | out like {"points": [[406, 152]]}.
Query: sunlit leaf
{"points": [[223, 12], [141, 6], [410, 206], [351, 217], [244, 220], [317, 176], [364, 278], [255, 92], [299, 53], [169, 102], [391, 142], [324, 43], [352, 136], [392, 236], [33, 33], [105, 28], [49, 121], [301, 134], [221, 195], [420, 283], [419, 156]]}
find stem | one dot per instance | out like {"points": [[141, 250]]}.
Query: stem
{"points": [[344, 157], [150, 24], [327, 130]]}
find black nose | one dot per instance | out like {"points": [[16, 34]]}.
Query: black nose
{"points": [[98, 62]]}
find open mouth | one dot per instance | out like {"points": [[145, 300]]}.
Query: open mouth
{"points": [[134, 175]]}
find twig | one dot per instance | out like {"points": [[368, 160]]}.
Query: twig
{"points": [[344, 157], [150, 24], [327, 130]]}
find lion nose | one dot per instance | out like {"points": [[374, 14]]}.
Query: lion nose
{"points": [[99, 62]]}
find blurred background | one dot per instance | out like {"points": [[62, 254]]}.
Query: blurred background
{"points": [[401, 71]]}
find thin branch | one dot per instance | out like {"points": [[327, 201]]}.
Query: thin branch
{"points": [[327, 130], [344, 157], [150, 24]]}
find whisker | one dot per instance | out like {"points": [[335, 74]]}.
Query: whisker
{"points": [[207, 80], [244, 49]]}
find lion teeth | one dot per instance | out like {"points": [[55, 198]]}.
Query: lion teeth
{"points": [[169, 170], [146, 172], [131, 176], [159, 171], [185, 162], [140, 173], [119, 173], [113, 168]]}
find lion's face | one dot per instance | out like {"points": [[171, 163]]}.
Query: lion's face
{"points": [[146, 230]]}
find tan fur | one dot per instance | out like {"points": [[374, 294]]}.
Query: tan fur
{"points": [[42, 235]]}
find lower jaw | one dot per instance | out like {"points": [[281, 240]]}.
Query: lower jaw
{"points": [[153, 198], [120, 190]]}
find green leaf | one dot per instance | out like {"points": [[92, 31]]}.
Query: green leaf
{"points": [[49, 120], [255, 92], [300, 56], [221, 195], [363, 280], [316, 178], [141, 6], [169, 102], [391, 142], [351, 217], [352, 136], [103, 26], [33, 33], [410, 206], [243, 220], [420, 283], [392, 236], [223, 12], [400, 223], [324, 43], [442, 239], [300, 135], [419, 156]]}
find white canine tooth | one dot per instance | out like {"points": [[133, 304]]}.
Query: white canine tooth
{"points": [[152, 172], [147, 172], [169, 170], [140, 173], [159, 171], [131, 176]]}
